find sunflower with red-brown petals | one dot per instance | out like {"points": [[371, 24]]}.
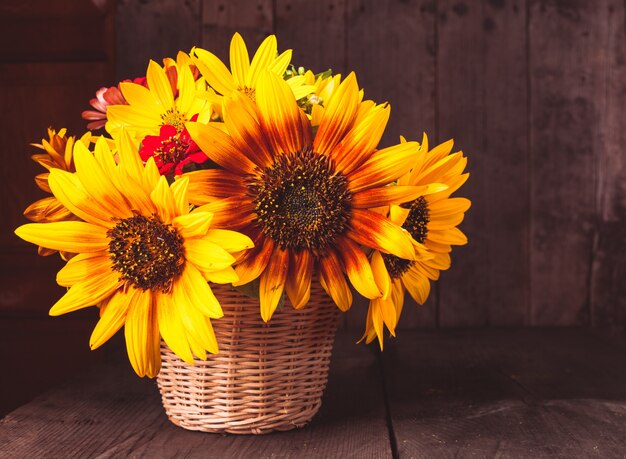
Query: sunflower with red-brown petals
{"points": [[305, 200]]}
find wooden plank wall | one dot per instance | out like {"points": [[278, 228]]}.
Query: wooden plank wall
{"points": [[531, 90], [54, 56]]}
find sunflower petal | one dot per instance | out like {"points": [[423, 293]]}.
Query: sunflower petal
{"points": [[219, 147], [338, 116], [262, 59], [186, 89], [141, 334], [224, 276], [449, 207], [298, 285], [452, 236], [84, 266], [360, 142], [239, 59], [209, 185], [48, 209], [280, 115], [280, 64], [136, 94], [255, 262], [172, 328], [179, 192], [163, 199], [194, 224], [70, 236], [383, 196], [273, 282], [358, 269], [384, 167], [231, 241], [198, 330], [333, 281], [377, 321], [381, 275], [200, 293], [373, 230], [69, 191], [87, 293], [206, 255], [160, 84], [113, 317], [231, 213], [417, 285], [214, 71], [242, 122]]}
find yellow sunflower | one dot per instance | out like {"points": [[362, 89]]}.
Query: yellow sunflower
{"points": [[245, 74], [149, 108], [141, 255], [432, 220], [305, 202]]}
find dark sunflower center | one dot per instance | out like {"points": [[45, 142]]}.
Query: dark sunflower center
{"points": [[146, 252], [416, 224], [301, 202]]}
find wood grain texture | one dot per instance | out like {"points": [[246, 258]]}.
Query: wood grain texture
{"points": [[112, 413], [391, 47], [39, 353], [565, 107], [56, 57], [154, 30], [316, 31], [64, 30], [522, 393], [608, 285], [480, 393], [254, 20], [482, 96]]}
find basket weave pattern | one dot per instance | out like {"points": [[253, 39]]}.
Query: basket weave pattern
{"points": [[266, 377]]}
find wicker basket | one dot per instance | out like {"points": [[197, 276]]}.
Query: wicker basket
{"points": [[266, 377]]}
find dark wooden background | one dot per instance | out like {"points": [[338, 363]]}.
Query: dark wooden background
{"points": [[533, 92]]}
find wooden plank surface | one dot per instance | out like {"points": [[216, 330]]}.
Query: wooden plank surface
{"points": [[565, 108], [154, 30], [254, 20], [112, 413], [608, 289], [40, 352], [481, 86], [506, 393], [318, 44]]}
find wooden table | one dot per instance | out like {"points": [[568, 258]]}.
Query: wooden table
{"points": [[511, 393]]}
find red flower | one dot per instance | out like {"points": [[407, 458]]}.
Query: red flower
{"points": [[171, 150]]}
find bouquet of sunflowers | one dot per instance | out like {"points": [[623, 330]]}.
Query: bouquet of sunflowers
{"points": [[264, 176]]}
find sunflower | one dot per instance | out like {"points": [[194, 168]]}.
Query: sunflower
{"points": [[305, 202], [432, 220], [58, 155], [159, 104], [142, 256], [106, 97], [245, 74]]}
